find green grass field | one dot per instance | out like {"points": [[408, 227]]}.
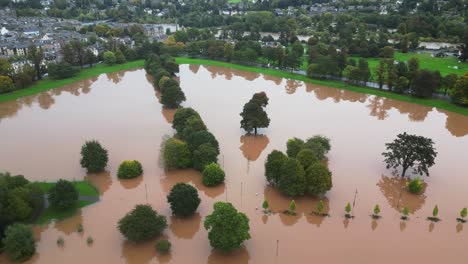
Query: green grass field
{"points": [[84, 188], [47, 84], [233, 1], [441, 104], [443, 65]]}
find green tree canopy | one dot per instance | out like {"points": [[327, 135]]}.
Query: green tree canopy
{"points": [[292, 179], [93, 157], [213, 175], [294, 146], [129, 169], [63, 195], [142, 223], [273, 164], [172, 96], [459, 93], [183, 199], [198, 138], [181, 116], [253, 114], [204, 155], [318, 179], [410, 151], [227, 228], [19, 242], [176, 154]]}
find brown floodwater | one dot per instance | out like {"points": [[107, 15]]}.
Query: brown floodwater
{"points": [[41, 136]]}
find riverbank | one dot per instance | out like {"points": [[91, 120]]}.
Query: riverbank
{"points": [[88, 194], [48, 84], [441, 104]]}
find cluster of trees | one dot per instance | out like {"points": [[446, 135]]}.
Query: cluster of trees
{"points": [[21, 201], [162, 68], [193, 146], [26, 73], [253, 115], [301, 170]]}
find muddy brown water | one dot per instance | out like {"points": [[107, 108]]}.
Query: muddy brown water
{"points": [[41, 136]]}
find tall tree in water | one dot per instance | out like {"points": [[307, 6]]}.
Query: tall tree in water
{"points": [[410, 151], [254, 115]]}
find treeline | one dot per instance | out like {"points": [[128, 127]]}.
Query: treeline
{"points": [[76, 55], [163, 68]]}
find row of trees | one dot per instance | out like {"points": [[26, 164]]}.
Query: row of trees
{"points": [[301, 171], [163, 68]]}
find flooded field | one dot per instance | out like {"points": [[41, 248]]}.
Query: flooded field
{"points": [[41, 136]]}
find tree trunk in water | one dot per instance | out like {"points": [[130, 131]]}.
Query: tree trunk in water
{"points": [[404, 172]]}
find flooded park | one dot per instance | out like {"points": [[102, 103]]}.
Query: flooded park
{"points": [[41, 137]]}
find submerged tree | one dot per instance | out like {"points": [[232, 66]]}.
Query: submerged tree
{"points": [[410, 151], [183, 199], [227, 228], [19, 242], [142, 223], [253, 114], [93, 157]]}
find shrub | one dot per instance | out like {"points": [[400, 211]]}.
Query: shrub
{"points": [[183, 199], [435, 212], [63, 195], [292, 207], [318, 179], [19, 242], [176, 154], [93, 156], [61, 70], [320, 207], [292, 181], [294, 146], [200, 137], [6, 84], [273, 165], [415, 185], [172, 97], [376, 210], [181, 116], [405, 213], [307, 157], [348, 210], [204, 155], [227, 228], [163, 246], [109, 58], [129, 169], [142, 223], [213, 175]]}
